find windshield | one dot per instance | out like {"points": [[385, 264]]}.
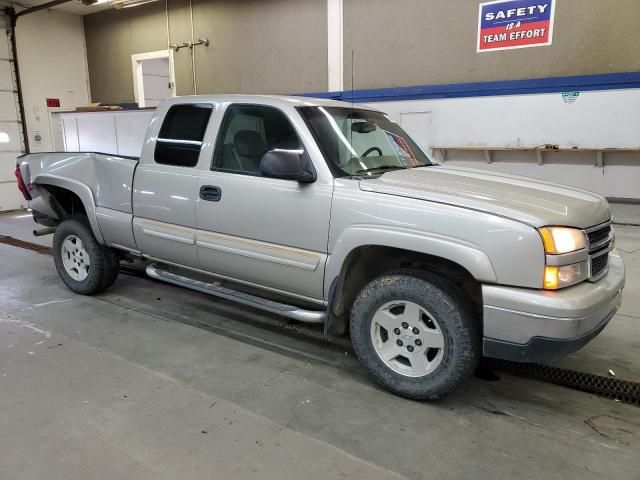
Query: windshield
{"points": [[362, 142]]}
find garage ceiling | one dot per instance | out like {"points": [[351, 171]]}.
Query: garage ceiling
{"points": [[74, 7]]}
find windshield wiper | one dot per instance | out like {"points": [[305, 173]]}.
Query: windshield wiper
{"points": [[384, 168]]}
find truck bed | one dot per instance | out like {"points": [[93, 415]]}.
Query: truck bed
{"points": [[109, 177]]}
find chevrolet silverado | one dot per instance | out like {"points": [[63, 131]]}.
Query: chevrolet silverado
{"points": [[327, 212]]}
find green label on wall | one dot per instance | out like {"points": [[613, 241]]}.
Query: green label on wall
{"points": [[570, 97]]}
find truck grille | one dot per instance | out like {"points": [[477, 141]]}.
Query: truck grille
{"points": [[600, 238], [599, 265]]}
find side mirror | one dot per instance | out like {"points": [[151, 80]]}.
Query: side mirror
{"points": [[287, 165]]}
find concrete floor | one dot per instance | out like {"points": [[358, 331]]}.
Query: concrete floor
{"points": [[152, 381], [626, 213]]}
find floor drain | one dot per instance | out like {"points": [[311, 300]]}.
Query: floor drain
{"points": [[624, 391], [7, 240]]}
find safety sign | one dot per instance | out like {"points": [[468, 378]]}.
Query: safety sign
{"points": [[507, 24]]}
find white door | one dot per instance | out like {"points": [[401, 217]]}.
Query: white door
{"points": [[418, 125], [10, 131], [156, 80], [153, 77]]}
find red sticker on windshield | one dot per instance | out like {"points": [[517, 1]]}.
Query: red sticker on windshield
{"points": [[402, 149]]}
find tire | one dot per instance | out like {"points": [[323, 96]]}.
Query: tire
{"points": [[94, 268], [430, 318]]}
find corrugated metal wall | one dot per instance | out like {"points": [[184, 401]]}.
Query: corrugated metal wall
{"points": [[280, 46], [254, 48], [417, 42]]}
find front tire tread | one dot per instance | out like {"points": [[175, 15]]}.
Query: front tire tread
{"points": [[454, 315]]}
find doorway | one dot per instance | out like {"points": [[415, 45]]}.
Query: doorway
{"points": [[153, 77], [418, 125]]}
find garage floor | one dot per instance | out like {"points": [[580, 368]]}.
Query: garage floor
{"points": [[150, 381]]}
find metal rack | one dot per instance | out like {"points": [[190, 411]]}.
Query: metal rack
{"points": [[599, 153]]}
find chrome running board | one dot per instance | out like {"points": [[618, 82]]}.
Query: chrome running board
{"points": [[216, 288]]}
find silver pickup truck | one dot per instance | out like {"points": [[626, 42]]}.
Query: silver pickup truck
{"points": [[329, 213]]}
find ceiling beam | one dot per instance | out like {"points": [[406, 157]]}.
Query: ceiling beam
{"points": [[44, 6]]}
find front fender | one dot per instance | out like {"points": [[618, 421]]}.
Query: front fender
{"points": [[81, 190], [467, 255]]}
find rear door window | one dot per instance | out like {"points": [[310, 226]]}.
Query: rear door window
{"points": [[180, 139]]}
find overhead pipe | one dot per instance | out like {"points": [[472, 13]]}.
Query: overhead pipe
{"points": [[176, 47], [44, 6], [193, 51], [13, 17]]}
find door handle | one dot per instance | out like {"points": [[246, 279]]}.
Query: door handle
{"points": [[210, 193]]}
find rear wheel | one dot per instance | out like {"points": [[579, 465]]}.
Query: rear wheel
{"points": [[415, 333], [85, 266]]}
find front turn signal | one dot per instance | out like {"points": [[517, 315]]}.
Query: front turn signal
{"points": [[551, 278], [564, 276]]}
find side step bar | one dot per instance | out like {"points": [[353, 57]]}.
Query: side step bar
{"points": [[216, 288]]}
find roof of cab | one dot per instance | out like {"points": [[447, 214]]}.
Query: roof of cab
{"points": [[272, 100]]}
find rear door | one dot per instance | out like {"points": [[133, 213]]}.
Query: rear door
{"points": [[166, 184], [267, 232], [11, 144]]}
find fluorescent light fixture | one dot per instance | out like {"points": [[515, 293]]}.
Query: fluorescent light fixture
{"points": [[118, 3], [4, 137], [128, 3]]}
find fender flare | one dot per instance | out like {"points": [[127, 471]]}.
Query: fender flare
{"points": [[465, 254], [83, 192]]}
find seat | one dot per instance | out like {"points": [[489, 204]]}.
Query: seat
{"points": [[248, 148], [227, 158]]}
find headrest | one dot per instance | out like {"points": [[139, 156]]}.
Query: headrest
{"points": [[249, 143]]}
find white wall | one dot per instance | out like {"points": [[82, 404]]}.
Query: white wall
{"points": [[598, 119], [53, 64], [603, 120], [607, 120], [120, 132]]}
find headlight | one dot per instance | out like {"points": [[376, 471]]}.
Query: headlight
{"points": [[559, 240]]}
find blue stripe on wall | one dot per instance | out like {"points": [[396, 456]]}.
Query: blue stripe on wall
{"points": [[583, 83]]}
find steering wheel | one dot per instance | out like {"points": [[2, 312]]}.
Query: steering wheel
{"points": [[371, 150]]}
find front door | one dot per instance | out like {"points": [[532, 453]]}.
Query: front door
{"points": [[267, 232]]}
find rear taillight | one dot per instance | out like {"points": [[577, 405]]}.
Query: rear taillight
{"points": [[21, 186]]}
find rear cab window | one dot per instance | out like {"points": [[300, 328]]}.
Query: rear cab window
{"points": [[181, 135]]}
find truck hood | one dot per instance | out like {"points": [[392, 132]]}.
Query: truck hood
{"points": [[519, 198]]}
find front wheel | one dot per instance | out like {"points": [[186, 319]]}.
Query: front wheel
{"points": [[415, 334], [85, 266]]}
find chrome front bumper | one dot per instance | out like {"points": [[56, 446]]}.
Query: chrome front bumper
{"points": [[538, 325]]}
